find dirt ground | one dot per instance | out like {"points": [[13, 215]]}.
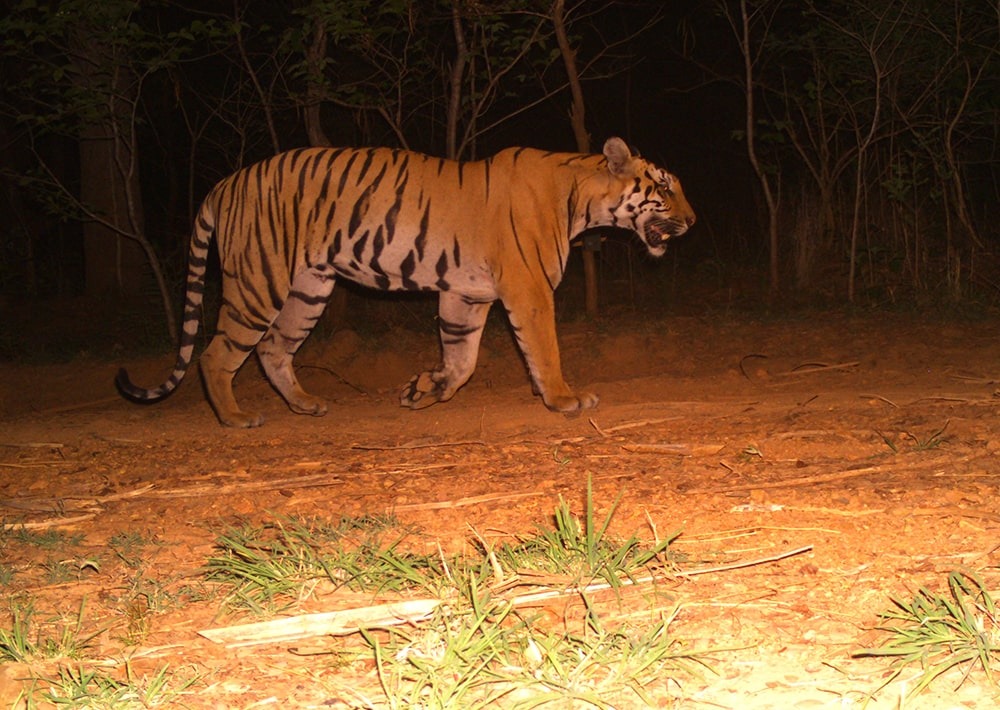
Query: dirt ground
{"points": [[871, 440]]}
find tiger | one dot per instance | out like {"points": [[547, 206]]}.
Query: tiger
{"points": [[288, 227]]}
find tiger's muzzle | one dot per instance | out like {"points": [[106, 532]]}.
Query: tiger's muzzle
{"points": [[658, 230]]}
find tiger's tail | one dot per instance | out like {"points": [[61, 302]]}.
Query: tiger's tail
{"points": [[201, 236]]}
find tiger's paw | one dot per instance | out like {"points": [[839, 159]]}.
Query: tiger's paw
{"points": [[573, 403], [241, 420], [421, 391], [309, 404]]}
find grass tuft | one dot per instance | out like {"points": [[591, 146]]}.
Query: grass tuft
{"points": [[81, 687], [24, 644], [960, 631], [478, 652], [582, 552], [272, 566]]}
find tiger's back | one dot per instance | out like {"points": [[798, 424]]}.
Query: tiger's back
{"points": [[288, 226], [320, 207]]}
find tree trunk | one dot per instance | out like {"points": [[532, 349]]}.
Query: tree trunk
{"points": [[335, 315], [455, 82], [577, 119], [109, 180], [116, 250], [741, 28], [577, 112], [315, 54], [113, 265]]}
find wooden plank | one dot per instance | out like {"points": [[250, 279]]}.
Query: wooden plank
{"points": [[332, 623]]}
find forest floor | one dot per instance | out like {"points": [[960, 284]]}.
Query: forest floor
{"points": [[863, 447]]}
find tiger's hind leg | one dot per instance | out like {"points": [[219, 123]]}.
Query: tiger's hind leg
{"points": [[461, 325], [233, 342], [306, 301]]}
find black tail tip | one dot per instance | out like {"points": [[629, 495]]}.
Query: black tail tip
{"points": [[124, 385], [129, 391]]}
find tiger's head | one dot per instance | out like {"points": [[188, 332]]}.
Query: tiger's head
{"points": [[649, 200]]}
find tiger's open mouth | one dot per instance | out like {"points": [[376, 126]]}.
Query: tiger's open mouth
{"points": [[657, 231]]}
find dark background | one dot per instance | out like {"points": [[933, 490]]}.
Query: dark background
{"points": [[868, 177]]}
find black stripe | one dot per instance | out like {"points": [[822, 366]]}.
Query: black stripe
{"points": [[406, 269], [272, 223], [442, 270], [359, 212], [234, 345], [541, 266], [276, 299], [420, 241], [308, 299], [378, 243], [279, 165], [369, 155], [402, 173], [377, 180], [456, 329], [291, 245], [517, 239], [359, 246], [261, 321], [331, 209], [302, 179], [346, 172], [381, 280], [187, 339], [236, 315], [571, 210], [393, 213], [334, 249]]}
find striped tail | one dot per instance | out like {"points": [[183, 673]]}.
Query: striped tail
{"points": [[197, 259]]}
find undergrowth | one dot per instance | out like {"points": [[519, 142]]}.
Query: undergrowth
{"points": [[959, 631]]}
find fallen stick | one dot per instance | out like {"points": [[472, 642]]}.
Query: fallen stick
{"points": [[641, 422], [40, 464], [807, 480], [809, 368], [317, 480], [470, 500], [88, 501], [331, 623], [675, 449], [417, 445], [33, 445], [880, 397], [790, 482], [749, 563], [44, 524]]}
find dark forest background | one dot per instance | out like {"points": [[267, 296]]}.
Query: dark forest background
{"points": [[836, 152]]}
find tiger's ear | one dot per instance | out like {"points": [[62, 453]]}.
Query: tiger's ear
{"points": [[618, 155]]}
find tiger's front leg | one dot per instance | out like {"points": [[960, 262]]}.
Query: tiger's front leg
{"points": [[460, 323], [532, 315]]}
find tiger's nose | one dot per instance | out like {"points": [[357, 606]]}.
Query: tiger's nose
{"points": [[690, 220]]}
